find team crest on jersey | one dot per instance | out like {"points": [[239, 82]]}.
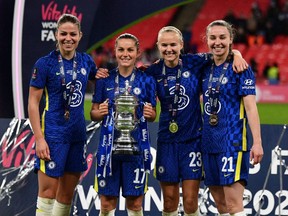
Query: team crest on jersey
{"points": [[183, 97], [186, 74], [224, 80], [83, 71], [77, 97], [161, 169], [102, 183], [51, 165], [137, 91]]}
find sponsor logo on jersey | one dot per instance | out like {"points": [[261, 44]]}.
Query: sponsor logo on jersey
{"points": [[207, 107], [77, 97], [183, 97], [248, 82], [34, 74], [226, 175]]}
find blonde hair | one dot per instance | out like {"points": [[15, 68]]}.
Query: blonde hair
{"points": [[170, 29]]}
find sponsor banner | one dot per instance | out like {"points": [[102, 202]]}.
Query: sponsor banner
{"points": [[18, 183], [272, 93]]}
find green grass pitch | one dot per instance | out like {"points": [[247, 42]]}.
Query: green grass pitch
{"points": [[269, 113]]}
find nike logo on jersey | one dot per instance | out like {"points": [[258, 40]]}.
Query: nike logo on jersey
{"points": [[226, 175], [138, 186], [57, 73], [159, 80], [109, 89], [195, 170]]}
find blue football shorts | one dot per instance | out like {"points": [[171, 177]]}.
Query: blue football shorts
{"points": [[178, 161], [64, 158], [226, 168], [127, 173]]}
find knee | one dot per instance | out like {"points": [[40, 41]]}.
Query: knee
{"points": [[134, 203], [65, 198], [170, 203], [221, 205], [108, 203], [106, 207], [48, 193], [190, 204]]}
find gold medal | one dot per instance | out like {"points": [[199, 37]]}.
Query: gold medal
{"points": [[173, 127], [213, 119], [67, 115]]}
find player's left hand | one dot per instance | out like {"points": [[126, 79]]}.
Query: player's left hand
{"points": [[149, 112], [256, 153], [239, 64]]}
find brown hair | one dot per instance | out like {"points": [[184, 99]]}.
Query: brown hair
{"points": [[128, 36], [68, 18]]}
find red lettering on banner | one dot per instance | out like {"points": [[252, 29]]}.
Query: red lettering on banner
{"points": [[89, 160], [17, 155], [51, 12]]}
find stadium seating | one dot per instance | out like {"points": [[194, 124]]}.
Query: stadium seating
{"points": [[147, 30], [263, 54]]}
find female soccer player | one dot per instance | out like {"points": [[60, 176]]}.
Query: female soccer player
{"points": [[120, 169], [229, 102], [62, 77]]}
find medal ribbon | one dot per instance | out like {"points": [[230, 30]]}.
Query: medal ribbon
{"points": [[104, 154], [145, 141], [67, 95], [174, 106], [117, 89], [214, 95]]}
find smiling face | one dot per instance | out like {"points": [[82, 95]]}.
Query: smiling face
{"points": [[170, 45], [126, 53], [219, 41], [68, 36]]}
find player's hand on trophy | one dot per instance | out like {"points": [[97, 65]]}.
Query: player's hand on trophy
{"points": [[149, 112], [42, 149], [103, 108], [102, 73]]}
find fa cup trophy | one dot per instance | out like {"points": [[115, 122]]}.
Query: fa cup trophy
{"points": [[125, 122]]}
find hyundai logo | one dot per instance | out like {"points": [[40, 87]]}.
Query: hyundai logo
{"points": [[248, 82]]}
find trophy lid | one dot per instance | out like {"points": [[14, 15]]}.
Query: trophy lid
{"points": [[126, 98]]}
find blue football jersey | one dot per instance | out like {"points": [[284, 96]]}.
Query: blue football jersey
{"points": [[46, 75], [230, 132], [189, 111], [143, 88]]}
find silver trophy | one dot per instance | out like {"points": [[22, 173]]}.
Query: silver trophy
{"points": [[125, 122]]}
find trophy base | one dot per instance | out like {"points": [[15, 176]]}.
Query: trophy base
{"points": [[125, 149]]}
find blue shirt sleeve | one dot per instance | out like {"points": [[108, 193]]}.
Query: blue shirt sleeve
{"points": [[247, 84]]}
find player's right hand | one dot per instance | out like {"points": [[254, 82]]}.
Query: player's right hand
{"points": [[42, 149], [102, 73]]}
